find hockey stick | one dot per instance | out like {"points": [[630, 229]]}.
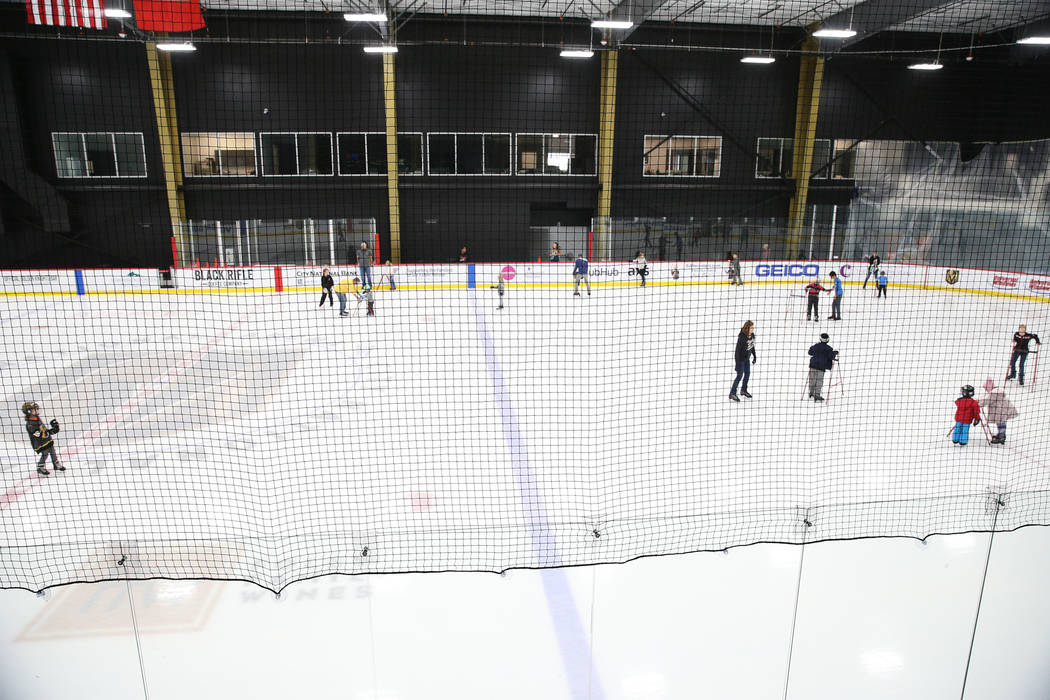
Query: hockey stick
{"points": [[984, 424], [1035, 367]]}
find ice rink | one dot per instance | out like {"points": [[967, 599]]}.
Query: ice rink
{"points": [[257, 436]]}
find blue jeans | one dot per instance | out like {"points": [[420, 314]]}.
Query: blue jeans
{"points": [[961, 434], [1013, 365], [366, 274], [342, 302], [743, 370]]}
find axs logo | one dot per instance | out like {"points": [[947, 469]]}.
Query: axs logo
{"points": [[787, 270]]}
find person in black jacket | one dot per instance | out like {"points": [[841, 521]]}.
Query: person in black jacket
{"points": [[40, 437], [873, 268], [1021, 340], [745, 345], [326, 287], [822, 357]]}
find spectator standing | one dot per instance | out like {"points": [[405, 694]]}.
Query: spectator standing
{"points": [[364, 263]]}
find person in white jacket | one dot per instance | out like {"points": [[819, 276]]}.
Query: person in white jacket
{"points": [[997, 409], [641, 266]]}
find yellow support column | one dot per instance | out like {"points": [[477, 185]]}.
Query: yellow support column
{"points": [[393, 198], [162, 81], [606, 131], [810, 79]]}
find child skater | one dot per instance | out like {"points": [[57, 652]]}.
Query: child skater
{"points": [[641, 265], [997, 409], [813, 290], [370, 300], [326, 287], [880, 290], [967, 411], [40, 437], [499, 290]]}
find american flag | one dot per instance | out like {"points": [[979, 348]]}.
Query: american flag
{"points": [[90, 14]]}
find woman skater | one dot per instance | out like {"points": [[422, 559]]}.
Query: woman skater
{"points": [[745, 345]]}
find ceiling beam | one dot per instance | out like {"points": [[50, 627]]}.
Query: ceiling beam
{"points": [[874, 16], [636, 11]]}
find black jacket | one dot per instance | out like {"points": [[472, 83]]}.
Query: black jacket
{"points": [[744, 346], [873, 262], [40, 434], [1021, 342], [327, 282], [823, 355]]}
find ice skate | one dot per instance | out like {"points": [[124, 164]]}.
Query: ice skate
{"points": [[42, 471], [576, 294], [818, 399], [745, 394], [59, 467], [734, 397]]}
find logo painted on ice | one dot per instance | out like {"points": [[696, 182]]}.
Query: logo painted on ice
{"points": [[788, 270], [507, 273], [951, 276]]}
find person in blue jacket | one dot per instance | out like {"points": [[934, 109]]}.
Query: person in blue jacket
{"points": [[579, 272], [836, 304], [881, 286], [822, 358]]}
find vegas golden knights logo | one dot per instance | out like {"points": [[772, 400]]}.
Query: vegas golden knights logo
{"points": [[951, 276]]}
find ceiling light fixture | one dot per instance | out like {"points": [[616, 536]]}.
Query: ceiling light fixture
{"points": [[611, 24], [937, 65], [385, 48], [1036, 40], [176, 46], [117, 13], [576, 53], [367, 17], [834, 33], [758, 59]]}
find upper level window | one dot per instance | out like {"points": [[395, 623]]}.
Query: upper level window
{"points": [[556, 154], [775, 158], [105, 154], [845, 159], [296, 153], [218, 154], [682, 156], [468, 154], [364, 153]]}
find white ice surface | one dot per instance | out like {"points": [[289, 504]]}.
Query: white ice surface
{"points": [[256, 436]]}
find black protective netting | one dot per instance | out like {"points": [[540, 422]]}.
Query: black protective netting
{"points": [[473, 401]]}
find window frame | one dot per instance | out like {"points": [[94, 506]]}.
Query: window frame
{"points": [[813, 167], [113, 146], [455, 152], [261, 158], [255, 151], [543, 154], [695, 159], [365, 134]]}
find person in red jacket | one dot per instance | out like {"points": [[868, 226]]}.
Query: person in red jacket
{"points": [[967, 411], [813, 290]]}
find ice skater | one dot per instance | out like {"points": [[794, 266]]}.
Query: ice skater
{"points": [[836, 303], [822, 357], [745, 346], [370, 300], [813, 290], [556, 253], [1020, 352], [326, 287], [499, 290], [881, 283], [346, 286], [873, 267], [641, 266], [364, 263], [734, 270], [579, 274], [40, 437], [997, 410], [967, 412]]}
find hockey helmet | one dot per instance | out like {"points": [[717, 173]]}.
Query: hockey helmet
{"points": [[29, 406], [967, 391]]}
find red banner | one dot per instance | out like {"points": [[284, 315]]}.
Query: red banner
{"points": [[90, 14], [168, 15]]}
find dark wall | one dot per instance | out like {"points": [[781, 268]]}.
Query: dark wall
{"points": [[247, 85]]}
